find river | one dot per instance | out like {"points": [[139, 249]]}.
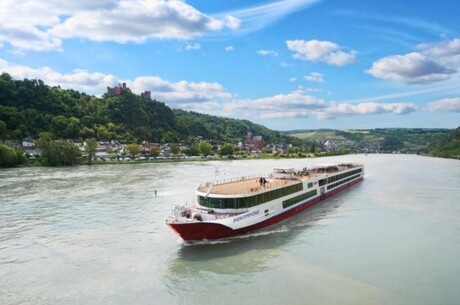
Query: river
{"points": [[96, 235]]}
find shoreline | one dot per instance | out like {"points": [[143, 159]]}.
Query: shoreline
{"points": [[186, 160]]}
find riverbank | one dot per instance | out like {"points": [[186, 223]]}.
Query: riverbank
{"points": [[214, 158]]}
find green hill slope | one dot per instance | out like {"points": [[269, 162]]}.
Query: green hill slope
{"points": [[28, 107]]}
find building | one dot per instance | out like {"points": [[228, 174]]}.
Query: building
{"points": [[117, 90], [28, 143], [146, 96], [254, 141]]}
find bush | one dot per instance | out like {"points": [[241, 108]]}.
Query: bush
{"points": [[9, 157]]}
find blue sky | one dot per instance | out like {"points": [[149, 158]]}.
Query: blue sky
{"points": [[290, 64]]}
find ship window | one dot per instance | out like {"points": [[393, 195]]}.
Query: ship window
{"points": [[300, 198], [246, 202], [344, 175], [310, 184], [342, 182]]}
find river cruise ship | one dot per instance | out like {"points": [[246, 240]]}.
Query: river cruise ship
{"points": [[229, 208]]}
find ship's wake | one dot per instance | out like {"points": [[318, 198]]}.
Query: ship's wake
{"points": [[282, 229]]}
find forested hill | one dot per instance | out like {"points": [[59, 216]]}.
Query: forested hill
{"points": [[447, 146], [28, 107], [225, 129]]}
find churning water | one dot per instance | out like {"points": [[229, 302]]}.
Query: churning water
{"points": [[96, 235]]}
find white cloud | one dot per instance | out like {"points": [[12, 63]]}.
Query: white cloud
{"points": [[182, 92], [445, 105], [313, 89], [232, 22], [267, 53], [325, 51], [96, 83], [412, 68], [229, 48], [443, 48], [257, 17], [292, 79], [278, 106], [446, 52], [139, 20], [190, 47], [213, 98], [91, 82], [314, 77], [286, 65], [41, 25], [345, 109]]}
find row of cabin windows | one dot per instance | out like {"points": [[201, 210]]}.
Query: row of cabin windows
{"points": [[344, 175], [297, 199], [246, 202], [342, 182]]}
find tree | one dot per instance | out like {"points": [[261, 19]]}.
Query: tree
{"points": [[64, 153], [313, 147], [392, 143], [226, 150], [204, 148], [155, 151], [3, 130], [44, 143], [192, 150], [133, 149], [57, 153], [175, 150], [90, 149], [8, 156], [73, 128]]}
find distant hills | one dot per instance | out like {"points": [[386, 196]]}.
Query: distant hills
{"points": [[28, 107], [439, 142]]}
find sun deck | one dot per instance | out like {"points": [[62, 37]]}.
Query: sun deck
{"points": [[245, 186]]}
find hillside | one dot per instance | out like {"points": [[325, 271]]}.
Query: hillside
{"points": [[224, 129], [447, 146], [28, 107], [412, 140]]}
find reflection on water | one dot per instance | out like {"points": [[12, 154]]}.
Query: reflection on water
{"points": [[96, 235]]}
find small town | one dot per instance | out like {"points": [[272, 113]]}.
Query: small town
{"points": [[250, 147]]}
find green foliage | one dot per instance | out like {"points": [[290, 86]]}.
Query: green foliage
{"points": [[133, 149], [205, 148], [313, 147], [192, 150], [384, 139], [224, 129], [155, 151], [174, 150], [226, 150], [128, 118], [57, 153], [9, 157], [69, 114], [3, 130], [447, 146], [29, 107], [90, 149], [392, 143]]}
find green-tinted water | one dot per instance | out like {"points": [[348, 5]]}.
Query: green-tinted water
{"points": [[96, 235]]}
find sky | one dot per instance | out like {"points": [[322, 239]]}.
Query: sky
{"points": [[287, 64]]}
